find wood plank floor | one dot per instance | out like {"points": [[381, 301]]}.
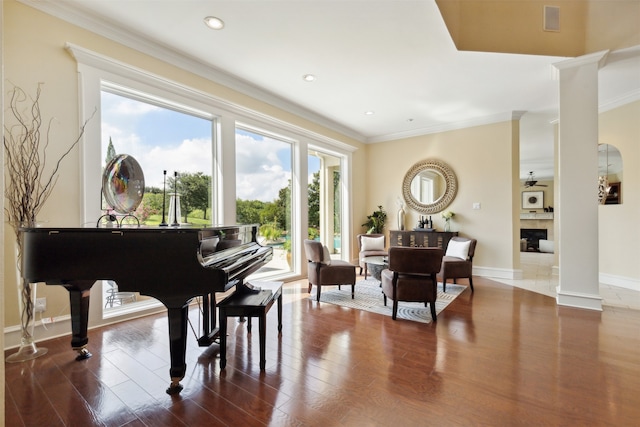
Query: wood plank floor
{"points": [[502, 356]]}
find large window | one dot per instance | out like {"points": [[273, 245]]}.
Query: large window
{"points": [[325, 197], [242, 156], [163, 139], [264, 193]]}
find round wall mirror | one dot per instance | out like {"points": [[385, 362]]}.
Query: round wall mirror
{"points": [[609, 175], [429, 186]]}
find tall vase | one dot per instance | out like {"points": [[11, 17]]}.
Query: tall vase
{"points": [[401, 217], [26, 303], [447, 225]]}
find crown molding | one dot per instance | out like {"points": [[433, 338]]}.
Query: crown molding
{"points": [[445, 127], [96, 60], [620, 101]]}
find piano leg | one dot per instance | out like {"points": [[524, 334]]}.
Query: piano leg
{"points": [[209, 330], [178, 318], [79, 302]]}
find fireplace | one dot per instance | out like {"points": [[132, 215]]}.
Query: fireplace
{"points": [[533, 236]]}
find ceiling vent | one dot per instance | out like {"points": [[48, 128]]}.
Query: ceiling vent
{"points": [[551, 18]]}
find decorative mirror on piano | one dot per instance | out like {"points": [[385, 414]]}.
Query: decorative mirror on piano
{"points": [[122, 186]]}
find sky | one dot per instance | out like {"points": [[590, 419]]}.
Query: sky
{"points": [[162, 139]]}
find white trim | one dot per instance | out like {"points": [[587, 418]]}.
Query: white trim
{"points": [[104, 63], [597, 57], [623, 100], [497, 273], [60, 326], [579, 300], [444, 127], [619, 281]]}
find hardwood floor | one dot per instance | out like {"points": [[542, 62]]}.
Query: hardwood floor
{"points": [[499, 357]]}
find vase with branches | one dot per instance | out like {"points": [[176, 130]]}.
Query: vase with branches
{"points": [[30, 181]]}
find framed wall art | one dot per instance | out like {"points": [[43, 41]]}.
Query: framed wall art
{"points": [[532, 200]]}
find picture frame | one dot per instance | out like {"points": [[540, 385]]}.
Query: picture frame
{"points": [[532, 199]]}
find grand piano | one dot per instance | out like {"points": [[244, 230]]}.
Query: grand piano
{"points": [[171, 264]]}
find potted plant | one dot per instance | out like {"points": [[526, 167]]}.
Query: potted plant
{"points": [[375, 221]]}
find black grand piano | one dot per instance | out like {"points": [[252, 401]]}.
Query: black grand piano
{"points": [[173, 265]]}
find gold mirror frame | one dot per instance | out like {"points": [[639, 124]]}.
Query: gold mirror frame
{"points": [[451, 184]]}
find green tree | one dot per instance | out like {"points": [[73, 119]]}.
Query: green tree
{"points": [[283, 207], [248, 211], [314, 201], [153, 199]]}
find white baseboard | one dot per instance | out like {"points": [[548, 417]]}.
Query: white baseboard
{"points": [[57, 327], [620, 281], [497, 273], [579, 300], [61, 326]]}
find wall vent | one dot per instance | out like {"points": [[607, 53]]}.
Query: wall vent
{"points": [[551, 18]]}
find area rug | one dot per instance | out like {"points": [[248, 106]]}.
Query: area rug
{"points": [[369, 297]]}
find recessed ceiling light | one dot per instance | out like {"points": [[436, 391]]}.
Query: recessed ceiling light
{"points": [[308, 77], [369, 113], [214, 23]]}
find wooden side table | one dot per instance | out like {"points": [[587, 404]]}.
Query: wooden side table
{"points": [[255, 304]]}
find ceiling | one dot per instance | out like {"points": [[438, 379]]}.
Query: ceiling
{"points": [[395, 59]]}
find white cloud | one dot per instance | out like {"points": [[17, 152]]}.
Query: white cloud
{"points": [[260, 174], [260, 171]]}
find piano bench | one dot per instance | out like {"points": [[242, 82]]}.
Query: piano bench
{"points": [[254, 304]]}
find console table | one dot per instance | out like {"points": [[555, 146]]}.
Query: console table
{"points": [[433, 239]]}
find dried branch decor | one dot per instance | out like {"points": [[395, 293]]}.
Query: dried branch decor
{"points": [[28, 184]]}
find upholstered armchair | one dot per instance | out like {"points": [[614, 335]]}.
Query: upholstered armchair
{"points": [[411, 276], [370, 245], [458, 261], [324, 271]]}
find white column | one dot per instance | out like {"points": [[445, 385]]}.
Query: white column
{"points": [[577, 196]]}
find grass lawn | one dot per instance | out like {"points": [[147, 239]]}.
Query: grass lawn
{"points": [[156, 219]]}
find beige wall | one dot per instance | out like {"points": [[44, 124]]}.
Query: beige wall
{"points": [[619, 225], [481, 159]]}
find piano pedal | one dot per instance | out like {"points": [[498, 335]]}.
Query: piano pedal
{"points": [[210, 338], [83, 353], [175, 387]]}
